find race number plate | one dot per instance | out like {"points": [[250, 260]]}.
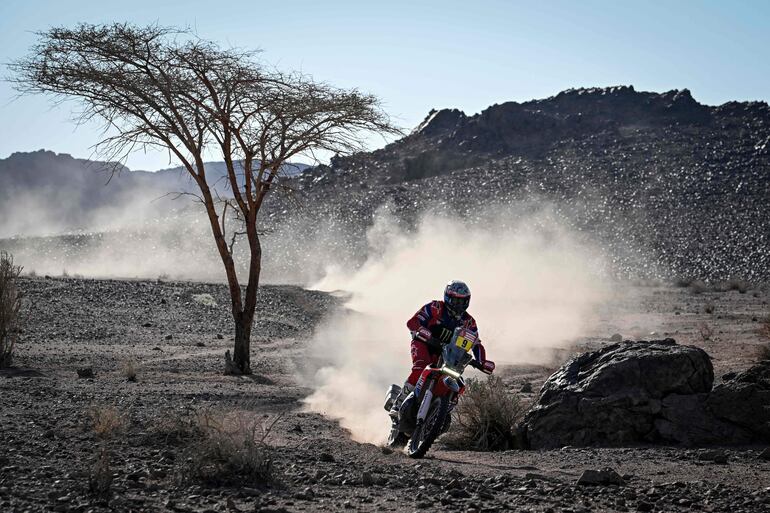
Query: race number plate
{"points": [[464, 343]]}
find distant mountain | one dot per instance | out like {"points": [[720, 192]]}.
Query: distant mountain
{"points": [[43, 192]]}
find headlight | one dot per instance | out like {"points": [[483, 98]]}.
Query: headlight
{"points": [[450, 372]]}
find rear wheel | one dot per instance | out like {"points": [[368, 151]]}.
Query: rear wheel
{"points": [[426, 431]]}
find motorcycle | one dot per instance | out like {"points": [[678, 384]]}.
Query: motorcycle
{"points": [[425, 414]]}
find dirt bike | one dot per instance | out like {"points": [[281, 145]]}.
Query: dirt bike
{"points": [[425, 414]]}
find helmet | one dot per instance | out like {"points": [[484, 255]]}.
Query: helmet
{"points": [[457, 297]]}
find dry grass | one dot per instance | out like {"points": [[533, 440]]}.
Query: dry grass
{"points": [[742, 286], [705, 331], [106, 422], [10, 308], [764, 328], [176, 429], [100, 476], [231, 450], [129, 369], [486, 417], [763, 351], [699, 287]]}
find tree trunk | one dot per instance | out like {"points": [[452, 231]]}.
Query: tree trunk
{"points": [[245, 319], [241, 352]]}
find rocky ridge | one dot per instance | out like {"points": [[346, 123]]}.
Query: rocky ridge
{"points": [[668, 186]]}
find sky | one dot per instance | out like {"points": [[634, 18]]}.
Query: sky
{"points": [[418, 55]]}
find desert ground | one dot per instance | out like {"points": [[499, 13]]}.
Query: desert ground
{"points": [[63, 434]]}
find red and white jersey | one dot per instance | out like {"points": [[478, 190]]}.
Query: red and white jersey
{"points": [[435, 313]]}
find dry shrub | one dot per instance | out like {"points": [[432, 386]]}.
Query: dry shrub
{"points": [[699, 287], [486, 417], [100, 477], [705, 331], [763, 353], [176, 429], [106, 421], [231, 451], [10, 308], [742, 286], [129, 370], [709, 308], [764, 328]]}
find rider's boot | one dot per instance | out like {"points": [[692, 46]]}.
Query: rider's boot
{"points": [[405, 391]]}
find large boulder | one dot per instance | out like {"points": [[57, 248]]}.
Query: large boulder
{"points": [[744, 400], [647, 392]]}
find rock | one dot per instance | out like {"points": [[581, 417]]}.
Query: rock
{"points": [[686, 419], [326, 457], [459, 493], [716, 455], [367, 479], [169, 337], [612, 396], [600, 477], [644, 506], [526, 388], [219, 336], [764, 455], [745, 401], [642, 392], [616, 337], [87, 373]]}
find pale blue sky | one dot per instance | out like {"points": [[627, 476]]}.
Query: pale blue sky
{"points": [[418, 55]]}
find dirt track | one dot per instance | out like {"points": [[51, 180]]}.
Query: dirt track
{"points": [[49, 445]]}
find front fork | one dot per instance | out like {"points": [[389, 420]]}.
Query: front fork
{"points": [[425, 404], [430, 379]]}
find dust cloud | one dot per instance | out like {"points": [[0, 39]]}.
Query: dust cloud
{"points": [[535, 285]]}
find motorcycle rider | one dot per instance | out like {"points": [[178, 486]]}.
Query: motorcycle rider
{"points": [[434, 325]]}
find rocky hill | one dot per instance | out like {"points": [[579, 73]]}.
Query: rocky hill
{"points": [[670, 187]]}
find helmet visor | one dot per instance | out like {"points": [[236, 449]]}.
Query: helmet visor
{"points": [[457, 304]]}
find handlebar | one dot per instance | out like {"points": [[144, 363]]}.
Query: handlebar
{"points": [[479, 366]]}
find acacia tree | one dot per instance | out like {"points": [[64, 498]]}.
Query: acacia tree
{"points": [[160, 87]]}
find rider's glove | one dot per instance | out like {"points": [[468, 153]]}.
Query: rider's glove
{"points": [[441, 333], [488, 367], [423, 334]]}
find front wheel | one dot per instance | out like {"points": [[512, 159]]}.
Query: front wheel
{"points": [[426, 432]]}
